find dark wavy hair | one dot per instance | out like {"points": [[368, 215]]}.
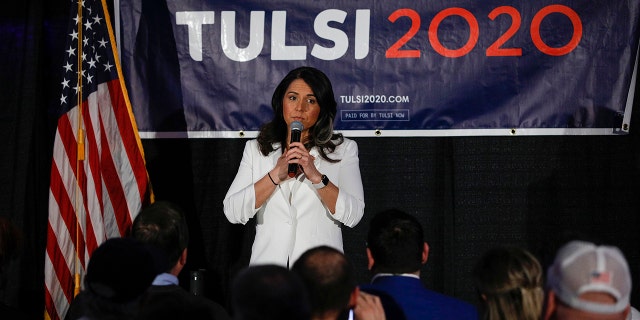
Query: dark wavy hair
{"points": [[321, 135]]}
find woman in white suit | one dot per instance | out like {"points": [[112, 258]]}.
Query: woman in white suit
{"points": [[297, 213]]}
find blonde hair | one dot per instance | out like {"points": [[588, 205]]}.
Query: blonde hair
{"points": [[509, 280]]}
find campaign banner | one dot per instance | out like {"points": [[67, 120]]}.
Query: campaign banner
{"points": [[205, 68]]}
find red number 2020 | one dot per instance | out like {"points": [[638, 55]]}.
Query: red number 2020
{"points": [[497, 47]]}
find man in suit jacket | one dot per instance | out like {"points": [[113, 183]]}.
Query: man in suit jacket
{"points": [[396, 250], [163, 226]]}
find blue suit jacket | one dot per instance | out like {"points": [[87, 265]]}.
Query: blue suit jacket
{"points": [[407, 298]]}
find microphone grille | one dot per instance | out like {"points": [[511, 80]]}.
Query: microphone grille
{"points": [[297, 125]]}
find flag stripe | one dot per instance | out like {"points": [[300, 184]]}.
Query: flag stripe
{"points": [[113, 184], [128, 134], [50, 305], [66, 225], [61, 275], [55, 299], [63, 226], [94, 207], [126, 144], [72, 179]]}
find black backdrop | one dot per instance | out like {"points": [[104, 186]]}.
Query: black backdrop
{"points": [[470, 193]]}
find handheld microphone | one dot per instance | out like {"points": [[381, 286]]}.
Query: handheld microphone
{"points": [[296, 129]]}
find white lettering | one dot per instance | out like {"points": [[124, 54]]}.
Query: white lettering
{"points": [[322, 26], [339, 38], [279, 48], [361, 37], [228, 36], [194, 21]]}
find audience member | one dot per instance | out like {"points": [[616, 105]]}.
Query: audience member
{"points": [[163, 226], [332, 288], [118, 273], [587, 281], [396, 250], [509, 280], [269, 292]]}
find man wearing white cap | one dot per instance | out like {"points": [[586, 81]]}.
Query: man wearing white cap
{"points": [[588, 282]]}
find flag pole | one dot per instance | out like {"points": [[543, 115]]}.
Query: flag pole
{"points": [[80, 152]]}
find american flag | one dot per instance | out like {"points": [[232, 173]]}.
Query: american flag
{"points": [[95, 198]]}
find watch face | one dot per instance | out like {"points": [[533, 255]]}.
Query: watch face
{"points": [[325, 180]]}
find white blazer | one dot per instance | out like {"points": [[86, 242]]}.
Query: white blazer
{"points": [[294, 219]]}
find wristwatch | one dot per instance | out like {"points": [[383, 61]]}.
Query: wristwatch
{"points": [[324, 181]]}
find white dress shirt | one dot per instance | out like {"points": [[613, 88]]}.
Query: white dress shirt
{"points": [[294, 219]]}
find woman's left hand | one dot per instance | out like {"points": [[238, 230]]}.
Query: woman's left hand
{"points": [[297, 153]]}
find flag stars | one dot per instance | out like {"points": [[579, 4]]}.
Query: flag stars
{"points": [[81, 78], [68, 67]]}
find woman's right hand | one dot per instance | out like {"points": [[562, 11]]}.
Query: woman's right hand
{"points": [[281, 170]]}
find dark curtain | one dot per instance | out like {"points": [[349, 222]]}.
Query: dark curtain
{"points": [[470, 193], [31, 35]]}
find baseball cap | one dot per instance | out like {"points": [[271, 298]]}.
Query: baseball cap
{"points": [[581, 267]]}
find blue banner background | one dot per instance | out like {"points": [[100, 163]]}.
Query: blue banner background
{"points": [[585, 88]]}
